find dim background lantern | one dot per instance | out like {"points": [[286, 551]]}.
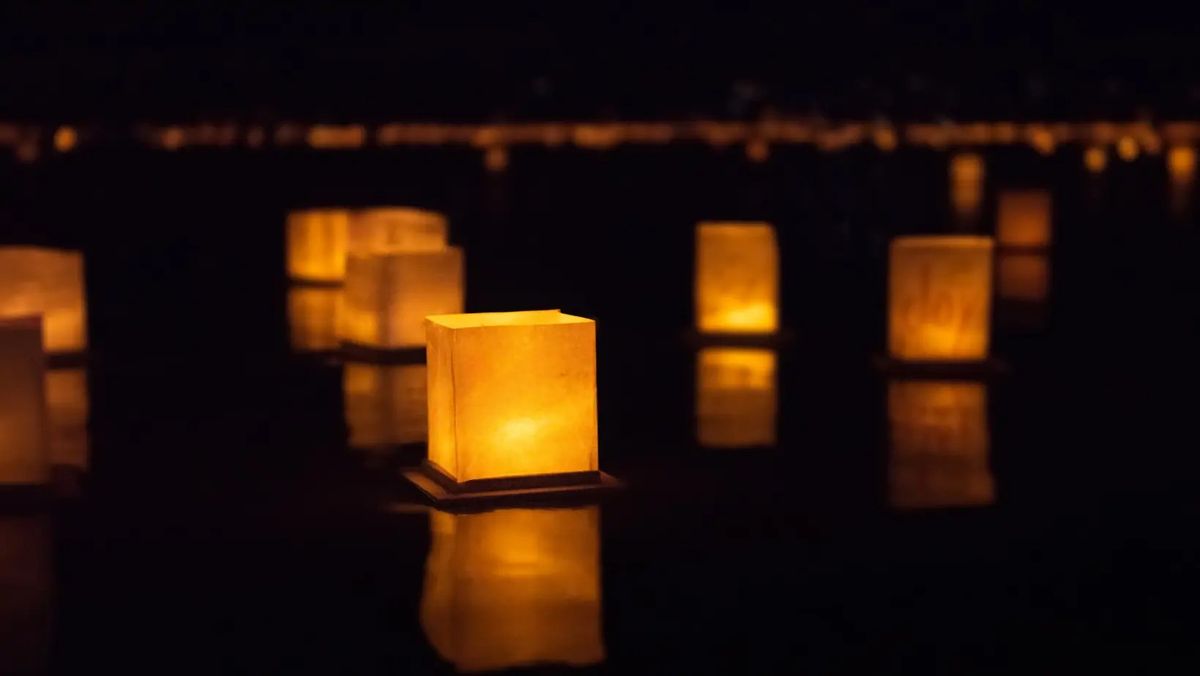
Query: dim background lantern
{"points": [[313, 317], [966, 185], [1023, 276], [939, 298], [514, 587], [67, 406], [26, 590], [388, 296], [46, 282], [735, 397], [24, 460], [316, 245], [1023, 219], [386, 229], [737, 278], [939, 444], [385, 404]]}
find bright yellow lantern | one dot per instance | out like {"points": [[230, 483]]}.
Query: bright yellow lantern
{"points": [[385, 404], [939, 298], [514, 587], [735, 397], [67, 405], [313, 314], [737, 278], [388, 229], [966, 184], [1023, 276], [46, 282], [24, 459], [316, 245], [939, 444], [389, 295], [1023, 220]]}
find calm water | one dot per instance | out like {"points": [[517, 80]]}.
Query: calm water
{"points": [[860, 525]]}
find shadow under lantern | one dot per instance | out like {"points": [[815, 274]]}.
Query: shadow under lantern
{"points": [[46, 282], [736, 397], [24, 455], [737, 279], [514, 588]]}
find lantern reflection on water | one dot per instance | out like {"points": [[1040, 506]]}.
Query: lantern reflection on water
{"points": [[26, 586], [389, 295], [67, 405], [735, 397], [24, 459], [939, 298], [514, 587], [46, 282], [1023, 219], [1023, 276], [737, 278], [313, 314], [385, 404], [391, 229], [966, 184], [316, 244], [939, 444]]}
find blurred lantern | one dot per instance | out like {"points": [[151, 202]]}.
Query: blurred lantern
{"points": [[495, 159], [1095, 159], [390, 229], [514, 587], [316, 244], [313, 314], [26, 591], [966, 185], [735, 397], [65, 138], [67, 407], [1127, 148], [46, 282], [1181, 167], [24, 458], [389, 295], [939, 298], [737, 278], [939, 444], [1023, 276], [385, 404], [758, 150], [1023, 219]]}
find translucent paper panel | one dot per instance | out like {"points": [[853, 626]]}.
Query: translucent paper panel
{"points": [[966, 185], [385, 404], [939, 298], [24, 459], [67, 405], [47, 282], [388, 296], [735, 397], [939, 444], [1023, 219], [313, 316], [388, 229], [514, 587], [316, 244], [26, 594], [512, 394], [737, 278], [1023, 276]]}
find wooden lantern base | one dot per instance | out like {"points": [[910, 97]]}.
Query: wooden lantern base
{"points": [[445, 491], [986, 368]]}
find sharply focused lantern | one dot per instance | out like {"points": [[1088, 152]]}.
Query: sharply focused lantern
{"points": [[46, 282], [735, 397], [313, 314], [966, 184], [737, 278], [316, 244], [1023, 276], [386, 229], [26, 587], [514, 587], [67, 414], [385, 404], [939, 298], [389, 295], [939, 444], [1023, 219], [24, 460]]}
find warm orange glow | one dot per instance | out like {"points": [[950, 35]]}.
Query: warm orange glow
{"points": [[495, 159], [67, 405], [1181, 164], [1095, 159], [939, 298], [939, 445], [1023, 219], [389, 295], [885, 138], [24, 458], [316, 244], [46, 282], [1023, 276], [313, 317], [1127, 148], [758, 151], [966, 184], [1042, 139], [65, 139], [514, 587], [512, 394], [27, 578], [735, 397], [390, 229], [737, 278], [328, 136], [385, 404]]}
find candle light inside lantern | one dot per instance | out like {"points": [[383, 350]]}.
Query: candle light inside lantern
{"points": [[737, 278], [736, 397], [46, 282]]}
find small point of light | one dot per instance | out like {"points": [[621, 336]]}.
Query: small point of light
{"points": [[1127, 148], [495, 159], [885, 139], [65, 139], [1181, 162], [758, 151], [1095, 159]]}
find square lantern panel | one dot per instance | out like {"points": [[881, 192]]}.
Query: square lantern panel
{"points": [[386, 229], [939, 298], [939, 444], [736, 398], [1023, 219], [316, 245], [46, 282], [384, 404], [737, 278], [514, 588], [388, 296], [24, 458], [313, 317]]}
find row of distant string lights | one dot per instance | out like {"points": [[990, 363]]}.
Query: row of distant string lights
{"points": [[1128, 139]]}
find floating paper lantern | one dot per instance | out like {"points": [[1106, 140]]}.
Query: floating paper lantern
{"points": [[46, 282], [1023, 220], [939, 444], [26, 585], [737, 278], [316, 244], [67, 405], [1023, 276], [966, 184], [1095, 159], [391, 229], [389, 295], [313, 315], [735, 397], [24, 460], [514, 587], [385, 404], [939, 298], [1181, 164]]}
